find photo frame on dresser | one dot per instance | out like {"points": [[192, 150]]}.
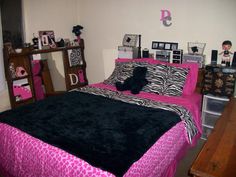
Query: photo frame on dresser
{"points": [[130, 40], [164, 45], [47, 38]]}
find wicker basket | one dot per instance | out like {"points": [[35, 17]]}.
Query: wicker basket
{"points": [[196, 48]]}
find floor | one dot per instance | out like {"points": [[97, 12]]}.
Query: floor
{"points": [[186, 162]]}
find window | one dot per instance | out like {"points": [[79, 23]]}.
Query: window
{"points": [[11, 29], [11, 15]]}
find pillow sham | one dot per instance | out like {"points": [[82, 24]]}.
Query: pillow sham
{"points": [[123, 70], [164, 78], [191, 80]]}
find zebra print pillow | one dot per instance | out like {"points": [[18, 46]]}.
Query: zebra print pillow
{"points": [[123, 70], [163, 79], [166, 80], [176, 80]]}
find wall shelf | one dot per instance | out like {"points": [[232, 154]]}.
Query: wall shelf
{"points": [[74, 69]]}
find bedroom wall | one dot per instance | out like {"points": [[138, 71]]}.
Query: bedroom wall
{"points": [[106, 21], [57, 15]]}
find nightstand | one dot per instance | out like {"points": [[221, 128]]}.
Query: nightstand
{"points": [[212, 108]]}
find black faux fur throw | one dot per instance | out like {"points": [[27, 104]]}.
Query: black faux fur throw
{"points": [[106, 133]]}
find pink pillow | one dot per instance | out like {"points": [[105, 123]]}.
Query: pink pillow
{"points": [[191, 81]]}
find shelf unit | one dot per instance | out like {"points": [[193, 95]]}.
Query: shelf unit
{"points": [[212, 108], [20, 88], [75, 73]]}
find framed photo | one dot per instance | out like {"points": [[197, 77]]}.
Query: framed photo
{"points": [[154, 45], [161, 45], [167, 46], [130, 40], [164, 45], [75, 57], [174, 46], [47, 38]]}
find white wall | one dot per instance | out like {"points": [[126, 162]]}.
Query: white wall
{"points": [[106, 21], [57, 15]]}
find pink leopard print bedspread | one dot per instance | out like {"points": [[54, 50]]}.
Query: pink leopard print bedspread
{"points": [[24, 156]]}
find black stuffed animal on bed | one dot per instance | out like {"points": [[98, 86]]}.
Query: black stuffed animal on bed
{"points": [[135, 83]]}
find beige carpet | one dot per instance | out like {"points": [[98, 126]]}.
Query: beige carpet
{"points": [[185, 164]]}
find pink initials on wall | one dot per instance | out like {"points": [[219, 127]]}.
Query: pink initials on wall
{"points": [[166, 17]]}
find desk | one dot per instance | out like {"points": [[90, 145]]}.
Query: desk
{"points": [[218, 156]]}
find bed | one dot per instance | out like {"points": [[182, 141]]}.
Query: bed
{"points": [[136, 135]]}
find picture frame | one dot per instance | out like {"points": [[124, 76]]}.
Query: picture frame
{"points": [[174, 46], [161, 45], [164, 45], [167, 46], [75, 57], [154, 45], [130, 40], [47, 38]]}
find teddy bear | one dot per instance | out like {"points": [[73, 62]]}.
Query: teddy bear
{"points": [[135, 83]]}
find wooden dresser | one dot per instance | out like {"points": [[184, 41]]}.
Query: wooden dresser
{"points": [[218, 156]]}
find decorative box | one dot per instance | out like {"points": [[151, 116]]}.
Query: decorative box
{"points": [[127, 52], [130, 40], [177, 56], [163, 55], [219, 81], [190, 58]]}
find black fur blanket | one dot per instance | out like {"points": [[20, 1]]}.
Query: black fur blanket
{"points": [[106, 133]]}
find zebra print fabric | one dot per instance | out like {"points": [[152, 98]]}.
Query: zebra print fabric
{"points": [[184, 114], [163, 79]]}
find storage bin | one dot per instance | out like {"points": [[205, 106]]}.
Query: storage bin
{"points": [[210, 119], [206, 132], [216, 105]]}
